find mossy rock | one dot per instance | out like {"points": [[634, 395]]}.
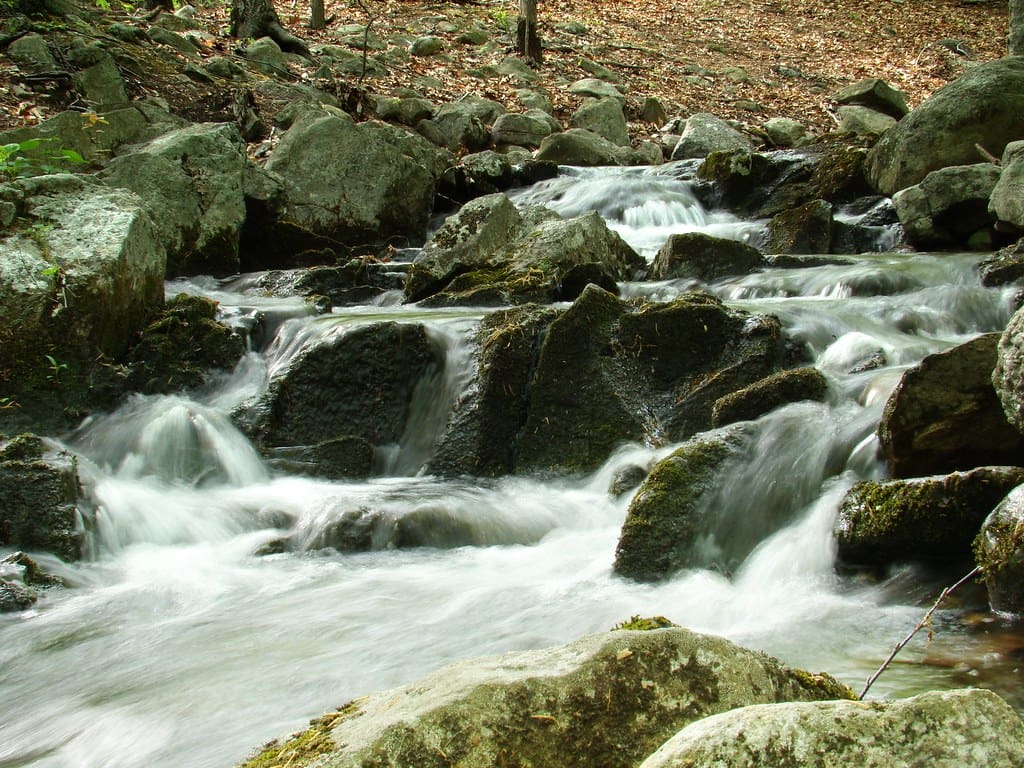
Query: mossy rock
{"points": [[768, 394], [999, 550], [929, 520]]}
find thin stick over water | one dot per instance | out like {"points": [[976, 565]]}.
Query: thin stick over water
{"points": [[926, 621]]}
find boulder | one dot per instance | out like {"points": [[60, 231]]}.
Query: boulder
{"points": [[523, 130], [864, 121], [346, 457], [705, 134], [769, 393], [999, 550], [192, 179], [369, 182], [949, 206], [703, 257], [757, 185], [578, 146], [81, 272], [1004, 266], [266, 56], [802, 230], [668, 515], [876, 94], [15, 596], [357, 281], [924, 519], [32, 55], [593, 88], [941, 729], [1007, 377], [605, 118], [39, 495], [101, 85], [428, 45], [944, 414], [407, 111], [181, 347], [786, 132], [607, 699], [1007, 200], [980, 108], [350, 383]]}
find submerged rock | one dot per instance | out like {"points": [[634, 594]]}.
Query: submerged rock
{"points": [[607, 700], [999, 550], [941, 729], [926, 519]]}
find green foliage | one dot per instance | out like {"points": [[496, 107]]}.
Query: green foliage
{"points": [[55, 369], [35, 157], [645, 624]]}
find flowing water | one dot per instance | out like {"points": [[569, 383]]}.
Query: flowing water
{"points": [[179, 645]]}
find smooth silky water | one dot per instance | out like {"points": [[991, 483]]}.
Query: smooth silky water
{"points": [[178, 645]]}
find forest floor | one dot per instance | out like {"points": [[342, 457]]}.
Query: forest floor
{"points": [[747, 60]]}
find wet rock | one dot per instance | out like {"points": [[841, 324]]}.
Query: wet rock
{"points": [[768, 394], [944, 414], [346, 457], [978, 108], [757, 185], [628, 479], [357, 383], [951, 728], [369, 182], [39, 494], [876, 94], [999, 550], [632, 689], [1007, 201], [357, 281], [668, 516], [180, 348], [703, 257], [605, 118], [1004, 266], [927, 519], [806, 229], [192, 179], [705, 134], [948, 206], [15, 596], [25, 569]]}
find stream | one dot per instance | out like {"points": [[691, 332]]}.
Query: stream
{"points": [[179, 645]]}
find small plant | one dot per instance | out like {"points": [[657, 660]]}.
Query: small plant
{"points": [[55, 369], [34, 157]]}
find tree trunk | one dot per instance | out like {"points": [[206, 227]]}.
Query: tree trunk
{"points": [[317, 20], [527, 39], [1016, 47], [257, 18]]}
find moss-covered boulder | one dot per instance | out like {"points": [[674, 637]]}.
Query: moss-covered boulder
{"points": [[608, 700], [944, 414], [804, 229], [928, 519], [999, 550], [703, 257], [1008, 372], [949, 208], [181, 347], [941, 729], [39, 495], [354, 383], [669, 514], [769, 393]]}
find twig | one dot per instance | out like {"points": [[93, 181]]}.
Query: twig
{"points": [[924, 622], [989, 157]]}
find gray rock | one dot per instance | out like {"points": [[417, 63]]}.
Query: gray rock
{"points": [[769, 393], [407, 111], [426, 46], [703, 257], [593, 88], [39, 496], [705, 134], [266, 56], [184, 45], [806, 229], [577, 146], [1007, 378], [192, 180], [1004, 266], [668, 515], [605, 118], [517, 69], [864, 121], [523, 130], [534, 99], [31, 53], [981, 107], [632, 689], [1007, 200], [465, 123], [653, 111], [876, 94], [941, 729], [925, 519], [944, 414], [785, 132], [370, 181], [999, 550], [15, 596], [948, 206], [599, 71]]}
